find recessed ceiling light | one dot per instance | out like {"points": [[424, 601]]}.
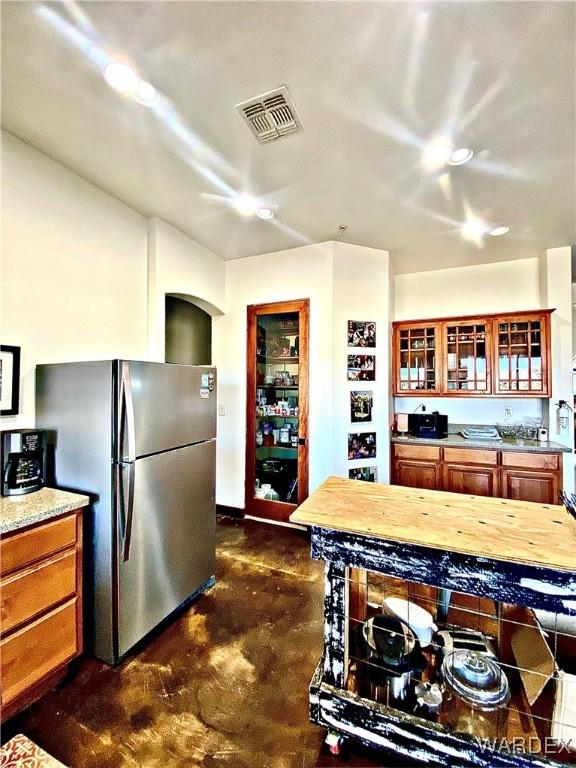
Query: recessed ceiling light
{"points": [[265, 213], [499, 231], [121, 76], [437, 153], [460, 155], [146, 94], [474, 230], [246, 205]]}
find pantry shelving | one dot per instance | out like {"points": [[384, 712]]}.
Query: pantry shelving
{"points": [[277, 409]]}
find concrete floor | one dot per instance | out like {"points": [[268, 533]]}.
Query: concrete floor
{"points": [[224, 684]]}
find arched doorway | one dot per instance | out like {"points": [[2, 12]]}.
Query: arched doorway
{"points": [[187, 332]]}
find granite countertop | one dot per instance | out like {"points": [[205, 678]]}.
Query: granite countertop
{"points": [[38, 507], [508, 444]]}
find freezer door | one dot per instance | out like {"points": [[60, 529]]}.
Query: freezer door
{"points": [[168, 548], [161, 406]]}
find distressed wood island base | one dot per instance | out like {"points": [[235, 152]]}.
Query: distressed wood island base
{"points": [[503, 552]]}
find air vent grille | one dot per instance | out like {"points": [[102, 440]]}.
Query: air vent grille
{"points": [[270, 115]]}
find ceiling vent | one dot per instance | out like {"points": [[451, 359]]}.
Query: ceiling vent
{"points": [[270, 116]]}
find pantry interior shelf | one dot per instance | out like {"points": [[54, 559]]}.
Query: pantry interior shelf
{"points": [[278, 359]]}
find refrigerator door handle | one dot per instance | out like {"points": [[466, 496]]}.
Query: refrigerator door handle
{"points": [[126, 507], [128, 414]]}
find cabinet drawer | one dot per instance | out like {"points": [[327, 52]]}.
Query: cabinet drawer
{"points": [[471, 456], [28, 593], [423, 452], [548, 461], [37, 650], [21, 549]]}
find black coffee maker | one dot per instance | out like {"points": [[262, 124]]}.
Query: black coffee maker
{"points": [[23, 461]]}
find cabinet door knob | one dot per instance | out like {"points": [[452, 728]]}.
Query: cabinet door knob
{"points": [[301, 441]]}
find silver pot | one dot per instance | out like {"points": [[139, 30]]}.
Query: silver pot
{"points": [[477, 692]]}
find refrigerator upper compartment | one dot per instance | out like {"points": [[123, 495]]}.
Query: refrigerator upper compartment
{"points": [[162, 406]]}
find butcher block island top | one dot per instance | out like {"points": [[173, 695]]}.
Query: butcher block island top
{"points": [[517, 531]]}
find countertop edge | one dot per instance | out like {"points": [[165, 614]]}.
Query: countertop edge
{"points": [[457, 441], [18, 512]]}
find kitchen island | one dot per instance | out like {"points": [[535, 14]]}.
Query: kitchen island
{"points": [[491, 557]]}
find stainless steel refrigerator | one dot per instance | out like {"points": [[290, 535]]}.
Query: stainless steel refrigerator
{"points": [[139, 438]]}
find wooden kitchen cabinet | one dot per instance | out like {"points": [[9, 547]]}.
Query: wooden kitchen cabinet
{"points": [[466, 470], [478, 481], [542, 487], [417, 466], [473, 356], [40, 608], [532, 477], [522, 475], [522, 363], [417, 358]]}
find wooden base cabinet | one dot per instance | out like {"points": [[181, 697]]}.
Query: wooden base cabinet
{"points": [[543, 487], [40, 608], [417, 467], [521, 475], [478, 481]]}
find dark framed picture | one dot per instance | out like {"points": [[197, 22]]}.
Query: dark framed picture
{"points": [[361, 368], [368, 474], [9, 380], [361, 445], [361, 407], [361, 333]]}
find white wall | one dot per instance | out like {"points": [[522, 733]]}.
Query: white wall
{"points": [[574, 323], [343, 282], [181, 266], [299, 273], [73, 269], [500, 287], [504, 286], [361, 279], [556, 287], [83, 275]]}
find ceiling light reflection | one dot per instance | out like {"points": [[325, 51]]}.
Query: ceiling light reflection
{"points": [[474, 230], [146, 94], [121, 76], [437, 153], [499, 231]]}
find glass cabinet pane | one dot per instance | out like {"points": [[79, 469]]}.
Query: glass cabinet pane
{"points": [[520, 357], [417, 359], [277, 407], [467, 368]]}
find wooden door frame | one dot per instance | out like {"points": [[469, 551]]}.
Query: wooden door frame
{"points": [[276, 510]]}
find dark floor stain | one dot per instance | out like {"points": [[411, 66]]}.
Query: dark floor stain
{"points": [[225, 684]]}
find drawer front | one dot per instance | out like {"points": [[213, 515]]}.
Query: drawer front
{"points": [[547, 461], [33, 591], [20, 549], [37, 650], [471, 456], [423, 452]]}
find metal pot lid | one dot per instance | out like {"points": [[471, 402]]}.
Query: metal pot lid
{"points": [[476, 679]]}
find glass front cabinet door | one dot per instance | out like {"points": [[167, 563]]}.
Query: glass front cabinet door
{"points": [[467, 357], [417, 359], [522, 365], [277, 409]]}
